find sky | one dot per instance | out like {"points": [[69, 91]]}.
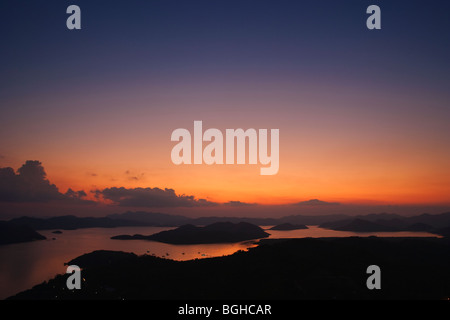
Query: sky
{"points": [[363, 114]]}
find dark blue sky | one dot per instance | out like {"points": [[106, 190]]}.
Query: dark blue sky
{"points": [[135, 39]]}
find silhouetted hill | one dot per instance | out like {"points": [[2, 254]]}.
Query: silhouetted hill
{"points": [[101, 258], [151, 218], [11, 232], [426, 223], [360, 225], [335, 224], [210, 220], [167, 220], [420, 227], [434, 220], [333, 268], [288, 226], [72, 222], [310, 220], [380, 216], [219, 232], [443, 231]]}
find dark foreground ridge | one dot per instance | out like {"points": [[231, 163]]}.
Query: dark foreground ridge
{"points": [[220, 232], [333, 268]]}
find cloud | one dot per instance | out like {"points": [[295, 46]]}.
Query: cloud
{"points": [[132, 177], [239, 204], [150, 197], [315, 202], [29, 184], [75, 194]]}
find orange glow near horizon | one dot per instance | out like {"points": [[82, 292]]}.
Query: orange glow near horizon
{"points": [[220, 183], [351, 156]]}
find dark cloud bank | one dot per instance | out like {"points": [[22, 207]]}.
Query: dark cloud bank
{"points": [[30, 184], [150, 197]]}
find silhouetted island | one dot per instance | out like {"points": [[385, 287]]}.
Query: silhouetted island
{"points": [[423, 223], [360, 225], [288, 226], [13, 233], [219, 232]]}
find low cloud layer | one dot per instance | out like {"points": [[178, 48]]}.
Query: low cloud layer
{"points": [[239, 204], [150, 197], [30, 184]]}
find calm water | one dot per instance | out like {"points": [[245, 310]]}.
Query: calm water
{"points": [[24, 265]]}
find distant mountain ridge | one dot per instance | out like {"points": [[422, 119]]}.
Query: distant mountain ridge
{"points": [[151, 218], [388, 222], [167, 220], [71, 222], [378, 222]]}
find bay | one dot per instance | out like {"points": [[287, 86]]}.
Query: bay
{"points": [[23, 265]]}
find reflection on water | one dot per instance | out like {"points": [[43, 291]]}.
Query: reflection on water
{"points": [[24, 265], [316, 232]]}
